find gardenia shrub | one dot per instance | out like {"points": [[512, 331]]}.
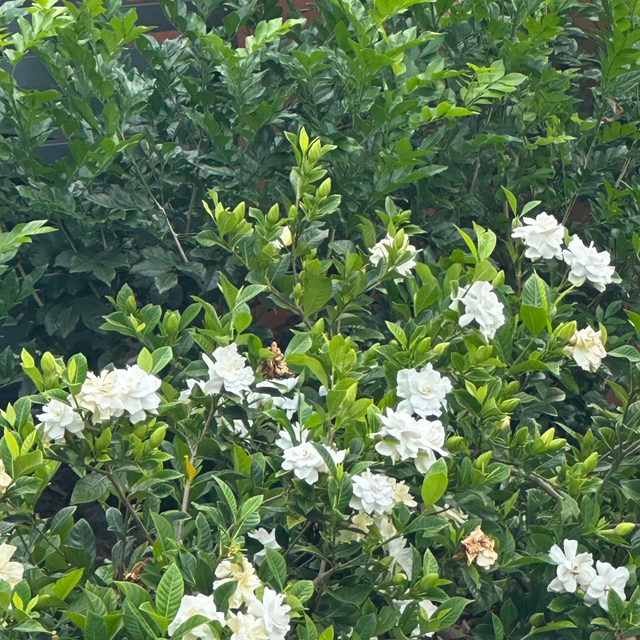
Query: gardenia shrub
{"points": [[400, 468]]}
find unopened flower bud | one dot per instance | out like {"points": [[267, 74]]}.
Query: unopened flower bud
{"points": [[625, 528]]}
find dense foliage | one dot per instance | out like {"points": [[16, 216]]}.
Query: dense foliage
{"points": [[305, 346], [437, 104]]}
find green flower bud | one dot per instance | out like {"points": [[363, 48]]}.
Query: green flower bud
{"points": [[441, 348], [537, 620], [625, 528]]}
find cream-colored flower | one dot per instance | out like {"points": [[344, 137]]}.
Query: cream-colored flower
{"points": [[5, 478], [244, 575], [406, 254], [10, 572], [359, 521], [102, 396], [274, 613], [401, 493], [479, 548], [401, 555], [586, 349], [246, 626]]}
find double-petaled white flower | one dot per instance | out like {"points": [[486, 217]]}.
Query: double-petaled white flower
{"points": [[481, 305], [274, 613], [306, 462], [267, 539], [587, 263], [608, 578], [102, 396], [586, 349], [543, 236], [380, 251], [246, 626], [244, 575], [405, 438], [57, 418], [423, 392], [10, 572], [228, 370], [5, 478], [138, 392], [574, 569], [372, 493], [198, 605]]}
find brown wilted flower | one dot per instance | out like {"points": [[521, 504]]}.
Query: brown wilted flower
{"points": [[134, 574], [275, 367], [479, 548]]}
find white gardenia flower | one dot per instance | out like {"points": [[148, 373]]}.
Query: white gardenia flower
{"points": [[5, 478], [455, 515], [305, 462], [543, 236], [586, 349], [608, 578], [274, 612], [267, 539], [380, 251], [424, 392], [372, 493], [198, 605], [245, 576], [587, 263], [102, 396], [574, 569], [406, 438], [300, 434], [228, 370], [246, 626], [138, 392], [481, 305], [427, 609], [10, 572], [401, 555], [360, 521], [57, 418]]}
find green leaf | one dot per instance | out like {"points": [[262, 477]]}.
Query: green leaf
{"points": [[169, 593], [425, 297], [511, 199], [160, 359], [95, 628], [435, 483], [535, 293], [313, 364], [145, 360], [534, 318], [64, 586], [616, 606], [228, 495], [317, 292], [278, 566], [627, 352], [90, 488]]}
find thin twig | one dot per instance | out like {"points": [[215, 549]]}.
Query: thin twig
{"points": [[187, 485], [128, 506], [35, 295]]}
